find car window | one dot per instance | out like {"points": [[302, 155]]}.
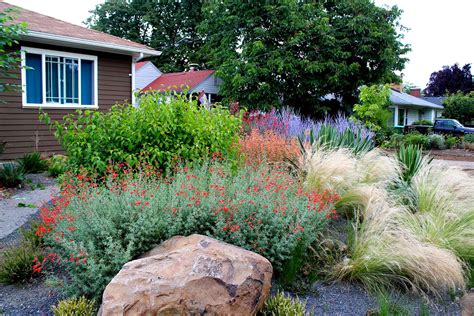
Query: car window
{"points": [[449, 124], [440, 124], [456, 123]]}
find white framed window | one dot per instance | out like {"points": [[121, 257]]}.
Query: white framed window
{"points": [[56, 79], [402, 117]]}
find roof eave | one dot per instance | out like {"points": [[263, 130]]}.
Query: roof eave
{"points": [[434, 106], [48, 38]]}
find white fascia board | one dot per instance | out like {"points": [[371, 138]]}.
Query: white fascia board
{"points": [[61, 40]]}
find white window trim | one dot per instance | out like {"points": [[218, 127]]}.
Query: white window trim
{"points": [[45, 105]]}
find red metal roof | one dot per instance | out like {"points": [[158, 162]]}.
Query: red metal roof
{"points": [[179, 81], [41, 23]]}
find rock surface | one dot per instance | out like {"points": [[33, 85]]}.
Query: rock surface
{"points": [[190, 275]]}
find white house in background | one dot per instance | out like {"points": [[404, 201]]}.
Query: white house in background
{"points": [[408, 108], [145, 73]]}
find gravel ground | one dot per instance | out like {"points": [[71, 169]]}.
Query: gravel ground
{"points": [[352, 299], [34, 298], [30, 299]]}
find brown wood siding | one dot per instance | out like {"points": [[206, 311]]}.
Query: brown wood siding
{"points": [[20, 127]]}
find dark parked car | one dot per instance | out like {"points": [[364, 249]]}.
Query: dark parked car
{"points": [[441, 126]]}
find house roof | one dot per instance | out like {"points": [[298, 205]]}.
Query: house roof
{"points": [[435, 100], [179, 81], [400, 98], [45, 29], [141, 64]]}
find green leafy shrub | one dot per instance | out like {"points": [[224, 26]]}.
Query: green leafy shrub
{"points": [[75, 307], [469, 141], [11, 175], [395, 140], [281, 305], [411, 160], [57, 165], [416, 139], [33, 163], [263, 210], [469, 138], [451, 141], [16, 263], [423, 122], [436, 141], [157, 132]]}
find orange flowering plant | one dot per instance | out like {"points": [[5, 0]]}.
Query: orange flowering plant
{"points": [[258, 146]]}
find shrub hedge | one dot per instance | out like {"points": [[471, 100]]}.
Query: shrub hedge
{"points": [[161, 130]]}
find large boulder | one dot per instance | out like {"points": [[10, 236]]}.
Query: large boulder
{"points": [[190, 275]]}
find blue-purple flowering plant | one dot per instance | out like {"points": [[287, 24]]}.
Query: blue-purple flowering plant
{"points": [[332, 132]]}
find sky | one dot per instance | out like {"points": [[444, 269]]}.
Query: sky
{"points": [[441, 31]]}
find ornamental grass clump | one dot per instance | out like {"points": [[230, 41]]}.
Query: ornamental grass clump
{"points": [[385, 253], [93, 230], [395, 241], [354, 177], [443, 198]]}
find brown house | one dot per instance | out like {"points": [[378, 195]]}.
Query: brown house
{"points": [[68, 67]]}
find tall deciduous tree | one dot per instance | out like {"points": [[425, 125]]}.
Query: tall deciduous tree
{"points": [[295, 52], [460, 106], [450, 80], [168, 26]]}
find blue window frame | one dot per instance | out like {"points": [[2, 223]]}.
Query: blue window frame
{"points": [[58, 79]]}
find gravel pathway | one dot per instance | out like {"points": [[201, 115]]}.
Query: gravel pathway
{"points": [[17, 209]]}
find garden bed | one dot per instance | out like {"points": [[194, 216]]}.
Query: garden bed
{"points": [[337, 298]]}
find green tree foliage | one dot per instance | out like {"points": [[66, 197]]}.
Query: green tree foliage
{"points": [[168, 26], [295, 52], [460, 106], [9, 58], [373, 107]]}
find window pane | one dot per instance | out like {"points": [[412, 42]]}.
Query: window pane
{"points": [[87, 82], [33, 78], [401, 117], [52, 79], [71, 84]]}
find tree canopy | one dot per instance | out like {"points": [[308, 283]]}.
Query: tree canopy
{"points": [[294, 53], [450, 80], [460, 106], [168, 26], [269, 53]]}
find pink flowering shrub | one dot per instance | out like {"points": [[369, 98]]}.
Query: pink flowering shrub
{"points": [[92, 230]]}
